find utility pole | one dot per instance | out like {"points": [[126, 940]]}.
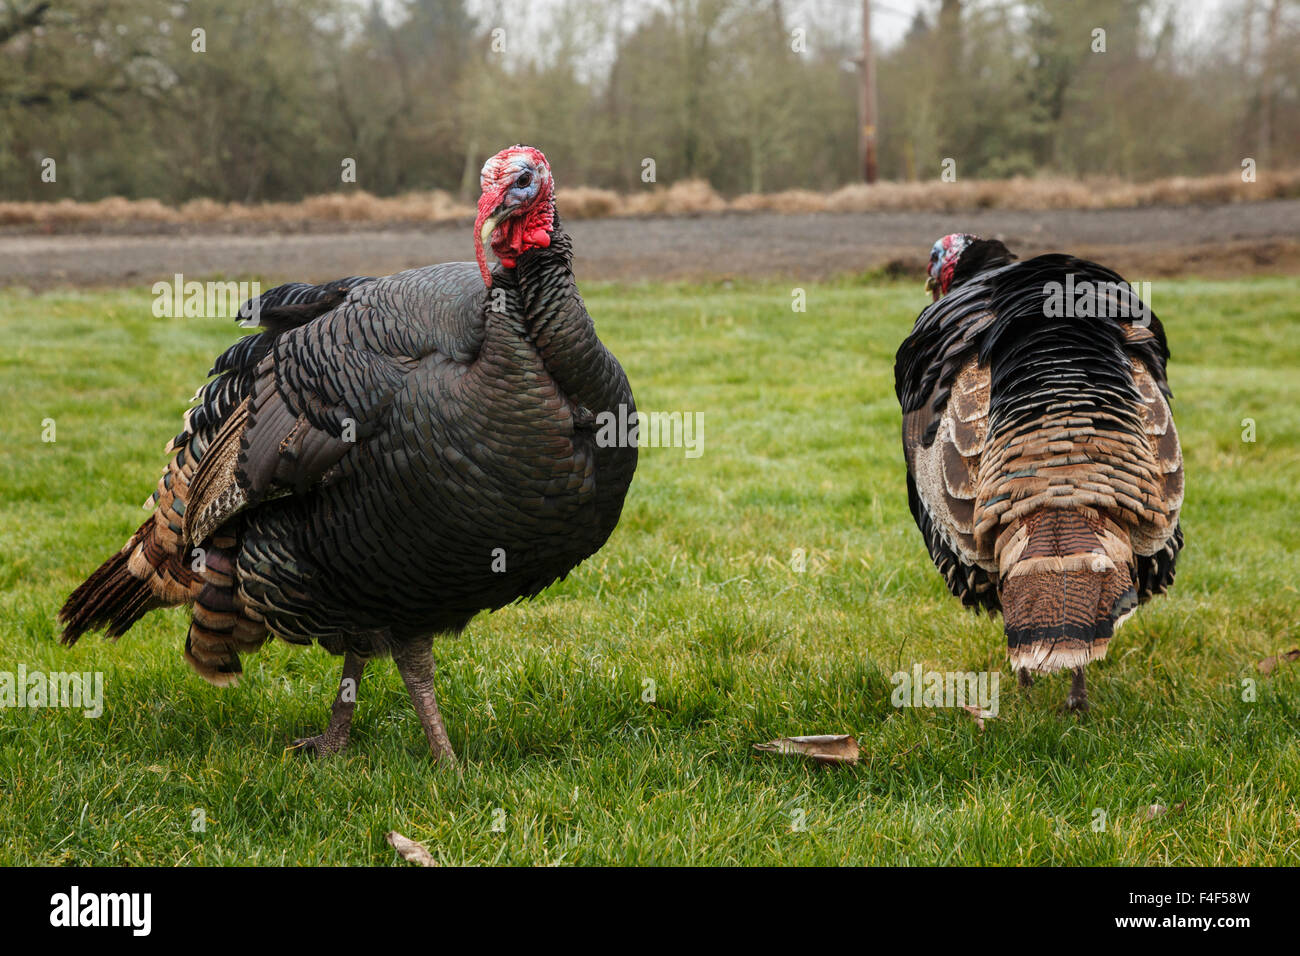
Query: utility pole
{"points": [[867, 101]]}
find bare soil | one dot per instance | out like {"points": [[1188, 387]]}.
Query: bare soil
{"points": [[1216, 241]]}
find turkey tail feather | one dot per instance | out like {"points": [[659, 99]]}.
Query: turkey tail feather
{"points": [[112, 598], [1065, 590], [220, 628]]}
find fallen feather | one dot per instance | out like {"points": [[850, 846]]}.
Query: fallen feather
{"points": [[409, 850], [1269, 664], [1157, 810], [823, 748], [979, 715]]}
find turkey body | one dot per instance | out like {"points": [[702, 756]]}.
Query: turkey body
{"points": [[480, 483], [387, 458], [1043, 465]]}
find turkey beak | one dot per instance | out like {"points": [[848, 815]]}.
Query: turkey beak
{"points": [[932, 287], [489, 226], [491, 210]]}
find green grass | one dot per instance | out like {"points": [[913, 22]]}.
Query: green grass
{"points": [[694, 591]]}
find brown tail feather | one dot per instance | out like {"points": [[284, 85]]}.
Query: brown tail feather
{"points": [[112, 598], [219, 630], [146, 575], [1066, 582]]}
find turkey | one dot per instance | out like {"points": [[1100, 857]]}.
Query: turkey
{"points": [[1043, 466], [383, 460]]}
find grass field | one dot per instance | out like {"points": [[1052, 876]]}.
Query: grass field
{"points": [[565, 763]]}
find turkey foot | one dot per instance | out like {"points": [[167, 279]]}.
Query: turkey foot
{"points": [[1077, 702], [415, 663], [1026, 679], [335, 737]]}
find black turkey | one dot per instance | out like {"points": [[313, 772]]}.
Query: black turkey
{"points": [[1043, 466], [385, 459]]}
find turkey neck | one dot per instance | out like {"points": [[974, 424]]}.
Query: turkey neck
{"points": [[557, 323]]}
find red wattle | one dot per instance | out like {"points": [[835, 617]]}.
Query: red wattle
{"points": [[532, 230], [945, 275]]}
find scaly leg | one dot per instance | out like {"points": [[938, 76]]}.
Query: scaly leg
{"points": [[415, 663], [1078, 699], [335, 737], [1026, 678]]}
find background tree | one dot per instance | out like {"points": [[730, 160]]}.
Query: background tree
{"points": [[417, 92]]}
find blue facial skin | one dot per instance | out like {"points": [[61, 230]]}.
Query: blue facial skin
{"points": [[936, 259], [518, 195]]}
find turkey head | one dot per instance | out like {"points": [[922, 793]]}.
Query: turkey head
{"points": [[516, 211], [960, 256]]}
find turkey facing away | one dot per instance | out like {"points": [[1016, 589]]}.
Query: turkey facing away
{"points": [[1043, 466], [386, 458]]}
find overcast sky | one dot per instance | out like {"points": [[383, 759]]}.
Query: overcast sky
{"points": [[528, 20], [891, 18]]}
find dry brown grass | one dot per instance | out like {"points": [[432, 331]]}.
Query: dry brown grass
{"points": [[689, 197], [686, 198], [1028, 194], [357, 207], [588, 202]]}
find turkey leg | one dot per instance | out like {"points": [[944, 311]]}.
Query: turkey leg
{"points": [[1078, 699], [335, 737], [415, 663]]}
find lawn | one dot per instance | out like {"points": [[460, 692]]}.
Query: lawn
{"points": [[611, 720]]}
